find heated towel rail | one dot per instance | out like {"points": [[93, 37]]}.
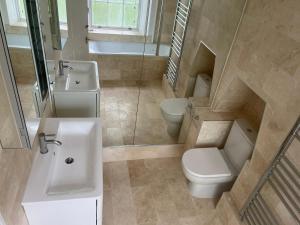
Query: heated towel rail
{"points": [[179, 31], [282, 179]]}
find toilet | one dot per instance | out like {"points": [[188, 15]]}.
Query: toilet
{"points": [[173, 109], [211, 171]]}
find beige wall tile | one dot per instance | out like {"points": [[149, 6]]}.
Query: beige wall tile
{"points": [[9, 135], [22, 63], [263, 58], [15, 166], [127, 68], [213, 133], [214, 23]]}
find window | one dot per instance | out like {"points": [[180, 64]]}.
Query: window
{"points": [[21, 10], [115, 13], [61, 5], [62, 11]]}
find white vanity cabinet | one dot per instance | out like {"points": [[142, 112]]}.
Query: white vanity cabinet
{"points": [[76, 93], [85, 211], [65, 185], [77, 104]]}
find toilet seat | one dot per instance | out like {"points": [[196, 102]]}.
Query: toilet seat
{"points": [[174, 106], [207, 164]]}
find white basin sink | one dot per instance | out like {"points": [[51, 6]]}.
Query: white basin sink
{"points": [[76, 93], [73, 168], [81, 76], [54, 176]]}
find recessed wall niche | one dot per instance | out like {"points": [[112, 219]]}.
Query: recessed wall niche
{"points": [[243, 102], [253, 109], [238, 97], [203, 63]]}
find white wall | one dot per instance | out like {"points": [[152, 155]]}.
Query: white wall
{"points": [[76, 47]]}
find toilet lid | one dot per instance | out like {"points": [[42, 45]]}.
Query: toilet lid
{"points": [[205, 162], [174, 106]]}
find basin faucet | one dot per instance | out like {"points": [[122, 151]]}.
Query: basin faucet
{"points": [[44, 142], [62, 66]]}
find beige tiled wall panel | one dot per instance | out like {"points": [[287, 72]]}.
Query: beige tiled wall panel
{"points": [[8, 128], [254, 110], [192, 136], [168, 21], [130, 68], [111, 67], [22, 63], [167, 88], [265, 57], [213, 22], [185, 126], [15, 166], [213, 133]]}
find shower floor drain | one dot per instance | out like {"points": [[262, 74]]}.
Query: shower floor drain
{"points": [[69, 160]]}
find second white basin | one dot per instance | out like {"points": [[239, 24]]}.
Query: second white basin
{"points": [[77, 92], [80, 76]]}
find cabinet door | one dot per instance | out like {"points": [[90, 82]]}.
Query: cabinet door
{"points": [[73, 104], [65, 212]]}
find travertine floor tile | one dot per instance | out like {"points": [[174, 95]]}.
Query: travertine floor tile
{"points": [[122, 107], [144, 205], [151, 192], [107, 216]]}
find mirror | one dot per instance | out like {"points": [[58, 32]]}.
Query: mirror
{"points": [[26, 82], [130, 41], [54, 26]]}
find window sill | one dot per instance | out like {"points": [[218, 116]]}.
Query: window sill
{"points": [[98, 34], [17, 28], [114, 31], [21, 28]]}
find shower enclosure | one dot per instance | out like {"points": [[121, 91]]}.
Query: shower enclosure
{"points": [[133, 60]]}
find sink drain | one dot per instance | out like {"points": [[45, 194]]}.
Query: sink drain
{"points": [[69, 160]]}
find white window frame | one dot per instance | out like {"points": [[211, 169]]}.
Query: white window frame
{"points": [[10, 13], [13, 17], [17, 7], [140, 13]]}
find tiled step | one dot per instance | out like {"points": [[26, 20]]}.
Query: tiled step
{"points": [[134, 152]]}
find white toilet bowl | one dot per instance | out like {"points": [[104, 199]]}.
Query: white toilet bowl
{"points": [[207, 171], [211, 171], [173, 110]]}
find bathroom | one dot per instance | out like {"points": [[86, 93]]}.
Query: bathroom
{"points": [[158, 94]]}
